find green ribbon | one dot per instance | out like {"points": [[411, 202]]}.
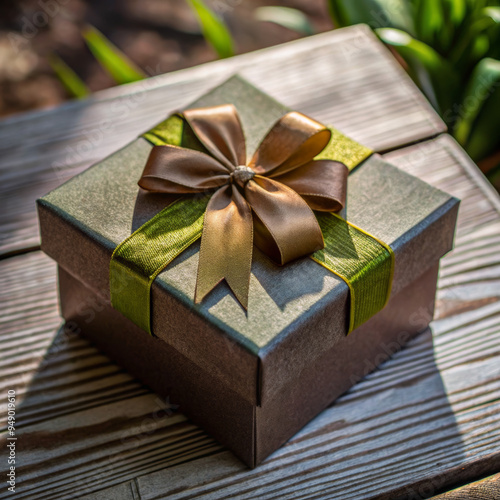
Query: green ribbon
{"points": [[137, 261], [365, 263]]}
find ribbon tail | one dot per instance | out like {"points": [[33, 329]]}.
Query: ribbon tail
{"points": [[226, 245]]}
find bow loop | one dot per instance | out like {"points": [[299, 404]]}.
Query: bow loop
{"points": [[219, 130], [171, 169], [294, 140], [321, 183]]}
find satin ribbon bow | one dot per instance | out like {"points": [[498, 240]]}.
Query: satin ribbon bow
{"points": [[267, 201]]}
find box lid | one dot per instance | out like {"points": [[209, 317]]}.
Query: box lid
{"points": [[295, 312]]}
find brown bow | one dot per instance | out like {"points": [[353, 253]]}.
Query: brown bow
{"points": [[268, 201]]}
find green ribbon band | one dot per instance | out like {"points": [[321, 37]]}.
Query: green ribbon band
{"points": [[365, 263], [137, 261]]}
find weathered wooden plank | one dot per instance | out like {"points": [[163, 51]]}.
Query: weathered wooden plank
{"points": [[124, 491], [345, 77], [485, 489], [442, 163], [377, 441], [74, 406], [427, 418]]}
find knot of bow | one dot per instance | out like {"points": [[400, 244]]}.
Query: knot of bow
{"points": [[267, 200]]}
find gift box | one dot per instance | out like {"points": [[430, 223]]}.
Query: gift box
{"points": [[251, 371]]}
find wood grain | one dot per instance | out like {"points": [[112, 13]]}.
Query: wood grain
{"points": [[485, 489], [345, 77], [426, 419]]}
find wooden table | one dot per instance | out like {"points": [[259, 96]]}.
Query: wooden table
{"points": [[425, 421]]}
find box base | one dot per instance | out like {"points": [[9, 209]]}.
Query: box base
{"points": [[251, 432]]}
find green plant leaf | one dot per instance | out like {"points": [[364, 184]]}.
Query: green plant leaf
{"points": [[479, 38], [111, 58], [213, 28], [478, 128], [457, 10], [489, 16], [72, 82], [443, 24], [452, 26], [429, 19], [492, 13], [292, 19], [434, 75], [376, 13]]}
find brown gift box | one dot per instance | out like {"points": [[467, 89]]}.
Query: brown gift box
{"points": [[250, 379]]}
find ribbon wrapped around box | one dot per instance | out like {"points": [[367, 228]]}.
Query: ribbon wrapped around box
{"points": [[268, 199], [237, 255]]}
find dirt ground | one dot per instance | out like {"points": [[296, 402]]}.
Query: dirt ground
{"points": [[158, 35]]}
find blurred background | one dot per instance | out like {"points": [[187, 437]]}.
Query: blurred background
{"points": [[156, 36], [55, 50]]}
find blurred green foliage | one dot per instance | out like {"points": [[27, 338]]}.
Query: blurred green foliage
{"points": [[73, 84], [111, 58], [213, 28], [121, 68], [293, 19], [451, 49]]}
